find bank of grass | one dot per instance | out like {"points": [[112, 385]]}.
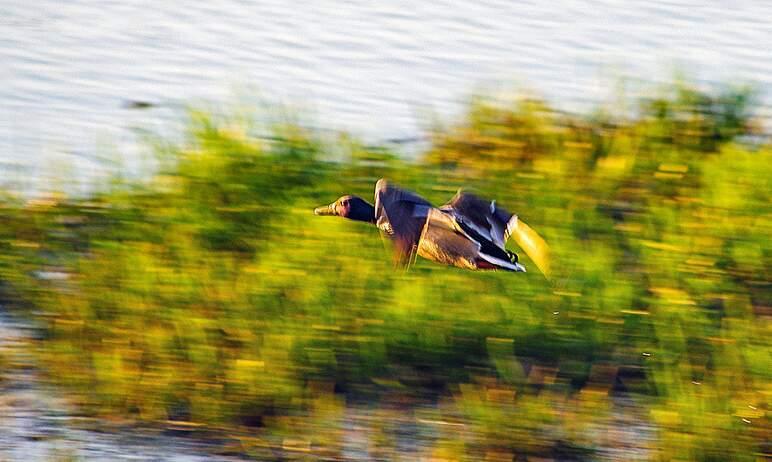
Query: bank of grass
{"points": [[210, 294]]}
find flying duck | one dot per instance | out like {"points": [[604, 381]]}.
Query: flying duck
{"points": [[468, 232]]}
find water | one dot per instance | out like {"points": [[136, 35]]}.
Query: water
{"points": [[375, 68]]}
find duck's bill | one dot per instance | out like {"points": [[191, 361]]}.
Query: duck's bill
{"points": [[325, 210]]}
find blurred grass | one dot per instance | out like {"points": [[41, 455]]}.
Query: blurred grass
{"points": [[209, 293]]}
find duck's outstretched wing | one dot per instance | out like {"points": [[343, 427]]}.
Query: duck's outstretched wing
{"points": [[400, 214], [485, 217], [496, 224]]}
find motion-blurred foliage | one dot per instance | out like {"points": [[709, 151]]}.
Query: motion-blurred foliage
{"points": [[210, 294]]}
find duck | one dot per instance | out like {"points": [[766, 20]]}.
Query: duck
{"points": [[467, 232]]}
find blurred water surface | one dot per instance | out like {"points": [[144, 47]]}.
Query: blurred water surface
{"points": [[69, 70]]}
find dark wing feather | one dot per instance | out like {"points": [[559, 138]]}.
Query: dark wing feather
{"points": [[484, 216], [401, 215], [496, 224]]}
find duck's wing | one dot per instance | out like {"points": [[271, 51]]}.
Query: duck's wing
{"points": [[401, 215], [485, 217], [496, 224]]}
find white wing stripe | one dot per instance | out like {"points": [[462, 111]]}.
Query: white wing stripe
{"points": [[511, 225], [502, 263]]}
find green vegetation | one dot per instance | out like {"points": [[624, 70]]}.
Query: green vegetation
{"points": [[210, 294]]}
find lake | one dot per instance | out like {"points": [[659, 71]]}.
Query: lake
{"points": [[71, 70]]}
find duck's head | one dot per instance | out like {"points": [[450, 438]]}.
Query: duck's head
{"points": [[351, 207]]}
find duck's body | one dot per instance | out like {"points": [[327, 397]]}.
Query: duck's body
{"points": [[467, 232]]}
